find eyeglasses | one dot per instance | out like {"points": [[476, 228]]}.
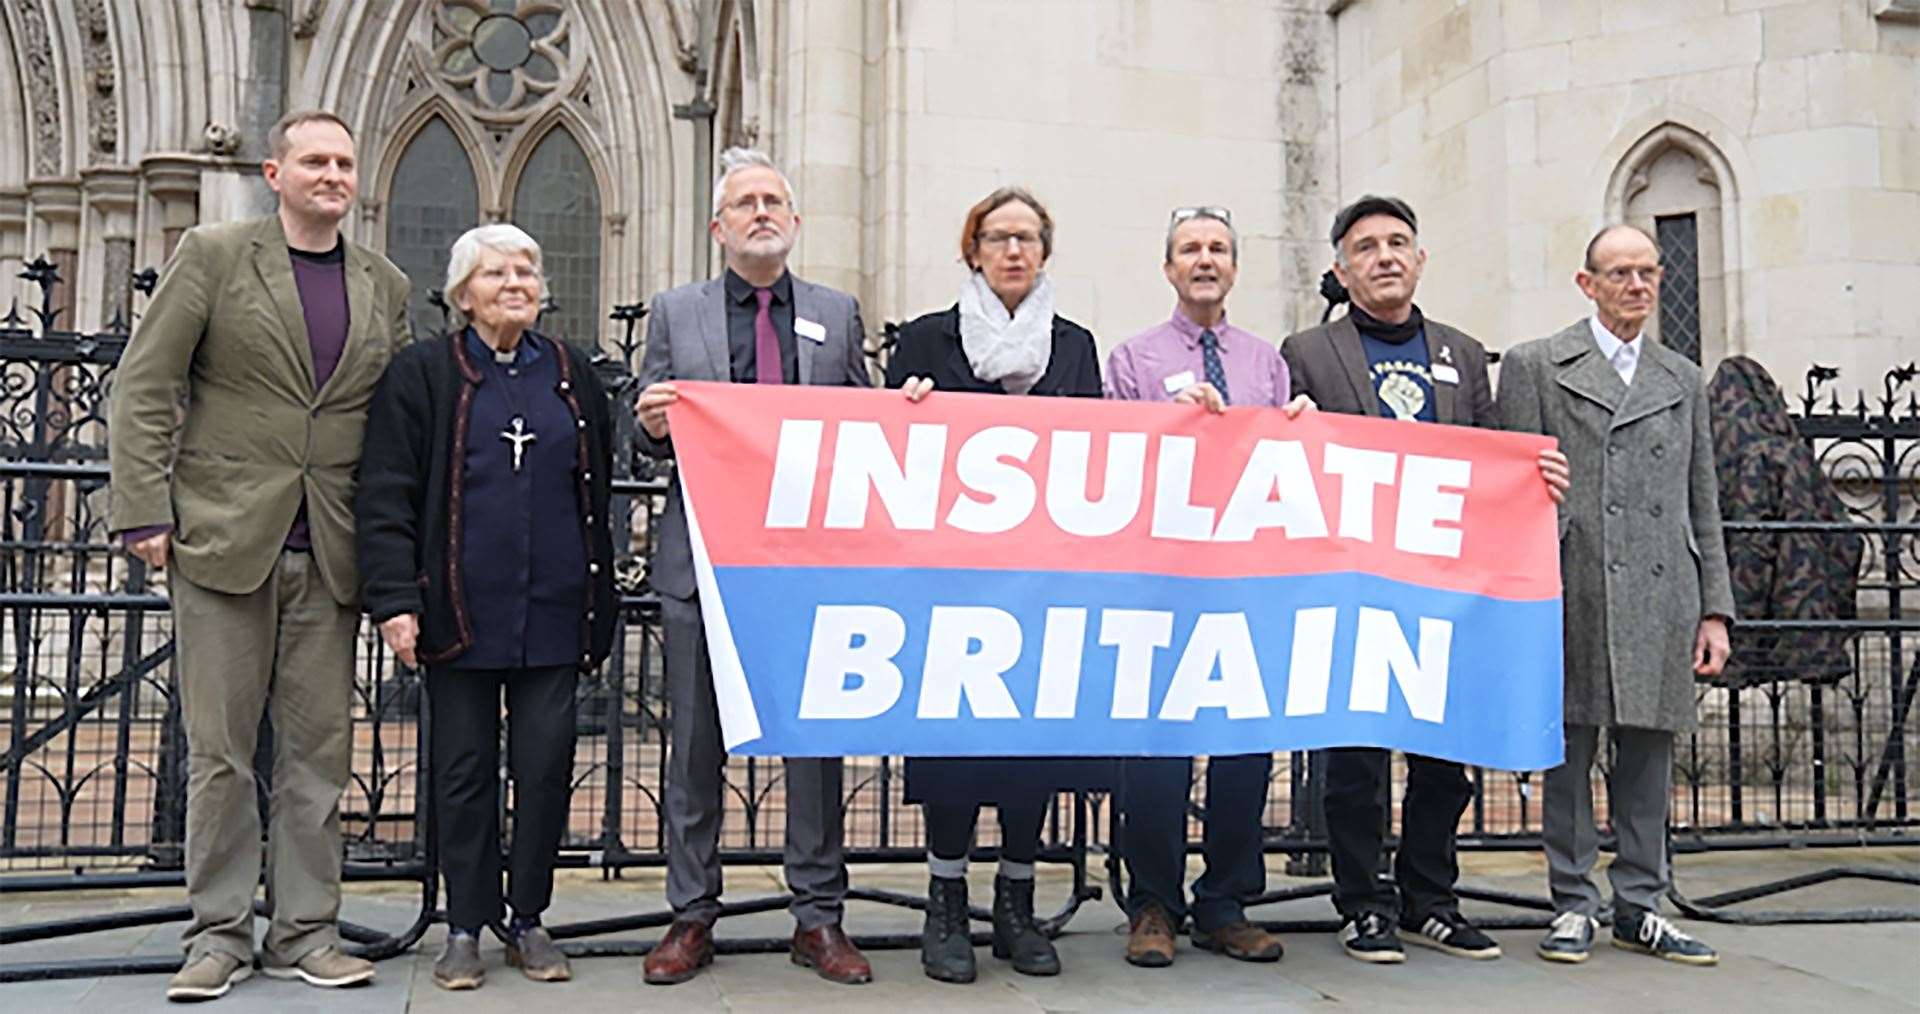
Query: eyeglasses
{"points": [[1006, 239], [751, 203], [1202, 211], [1621, 275]]}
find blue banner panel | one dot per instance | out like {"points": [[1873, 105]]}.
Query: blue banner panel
{"points": [[918, 662]]}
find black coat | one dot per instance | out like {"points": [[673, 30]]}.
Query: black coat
{"points": [[407, 509], [930, 347]]}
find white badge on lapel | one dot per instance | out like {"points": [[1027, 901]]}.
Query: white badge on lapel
{"points": [[811, 330], [1179, 382], [1445, 374]]}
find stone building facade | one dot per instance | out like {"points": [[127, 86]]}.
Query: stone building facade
{"points": [[1773, 146]]}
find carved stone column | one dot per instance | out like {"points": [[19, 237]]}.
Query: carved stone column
{"points": [[56, 207], [112, 195], [13, 241], [173, 181]]}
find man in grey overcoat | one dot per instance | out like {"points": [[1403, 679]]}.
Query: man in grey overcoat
{"points": [[757, 323], [1647, 596]]}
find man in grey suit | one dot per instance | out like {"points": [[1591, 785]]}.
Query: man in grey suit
{"points": [[1647, 596], [1384, 358], [756, 324], [273, 331]]}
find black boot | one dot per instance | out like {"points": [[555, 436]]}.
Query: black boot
{"points": [[946, 946], [1014, 934]]}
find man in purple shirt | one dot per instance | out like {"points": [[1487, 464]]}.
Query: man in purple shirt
{"points": [[273, 332], [1196, 357]]}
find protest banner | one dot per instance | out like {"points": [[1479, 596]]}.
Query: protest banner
{"points": [[990, 576]]}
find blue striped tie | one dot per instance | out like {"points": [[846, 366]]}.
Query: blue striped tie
{"points": [[1210, 361]]}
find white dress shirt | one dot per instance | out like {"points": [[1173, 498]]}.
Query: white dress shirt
{"points": [[1625, 356]]}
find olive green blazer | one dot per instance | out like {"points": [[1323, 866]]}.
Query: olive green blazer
{"points": [[224, 336]]}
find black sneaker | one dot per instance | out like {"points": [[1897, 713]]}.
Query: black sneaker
{"points": [[1647, 933], [1369, 937], [1570, 940], [1448, 932]]}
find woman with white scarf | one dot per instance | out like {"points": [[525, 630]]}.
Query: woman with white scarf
{"points": [[1001, 337]]}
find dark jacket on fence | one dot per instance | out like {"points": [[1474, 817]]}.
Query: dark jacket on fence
{"points": [[413, 476], [1768, 473], [930, 347]]}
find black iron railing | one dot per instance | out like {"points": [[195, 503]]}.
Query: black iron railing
{"points": [[93, 778]]}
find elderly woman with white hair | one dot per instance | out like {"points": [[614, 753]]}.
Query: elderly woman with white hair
{"points": [[485, 557]]}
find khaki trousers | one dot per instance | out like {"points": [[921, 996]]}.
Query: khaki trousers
{"points": [[286, 649]]}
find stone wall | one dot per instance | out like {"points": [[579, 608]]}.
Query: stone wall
{"points": [[1506, 123], [1113, 113]]}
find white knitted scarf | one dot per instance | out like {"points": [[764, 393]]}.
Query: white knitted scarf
{"points": [[1009, 349]]}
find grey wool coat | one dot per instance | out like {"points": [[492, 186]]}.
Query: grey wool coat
{"points": [[1641, 554]]}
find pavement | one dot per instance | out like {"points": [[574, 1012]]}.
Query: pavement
{"points": [[1843, 967]]}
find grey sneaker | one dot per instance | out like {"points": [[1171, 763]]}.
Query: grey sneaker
{"points": [[459, 965], [1646, 932], [208, 976], [532, 951], [1570, 940], [329, 967]]}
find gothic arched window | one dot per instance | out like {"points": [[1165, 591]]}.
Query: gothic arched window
{"points": [[1678, 188], [434, 199], [557, 201]]}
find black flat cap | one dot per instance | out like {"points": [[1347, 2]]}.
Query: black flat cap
{"points": [[1372, 204]]}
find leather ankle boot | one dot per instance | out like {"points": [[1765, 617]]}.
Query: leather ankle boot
{"points": [[1015, 936], [946, 946]]}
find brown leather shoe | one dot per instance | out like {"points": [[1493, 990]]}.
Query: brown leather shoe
{"points": [[679, 956], [1150, 937], [832, 956], [1240, 940]]}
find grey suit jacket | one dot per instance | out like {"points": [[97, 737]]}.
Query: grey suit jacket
{"points": [[687, 340], [1641, 554], [1329, 365]]}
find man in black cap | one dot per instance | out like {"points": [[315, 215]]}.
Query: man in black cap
{"points": [[1385, 359]]}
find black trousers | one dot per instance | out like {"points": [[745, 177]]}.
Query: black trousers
{"points": [[1425, 867], [1154, 840], [950, 824], [465, 707]]}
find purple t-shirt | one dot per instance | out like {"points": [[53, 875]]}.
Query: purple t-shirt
{"points": [[321, 279], [1157, 363]]}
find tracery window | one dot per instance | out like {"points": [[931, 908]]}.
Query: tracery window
{"points": [[509, 86], [434, 200]]}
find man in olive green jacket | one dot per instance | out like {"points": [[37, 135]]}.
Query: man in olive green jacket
{"points": [[273, 333]]}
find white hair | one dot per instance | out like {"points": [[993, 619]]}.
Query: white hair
{"points": [[735, 159], [501, 237]]}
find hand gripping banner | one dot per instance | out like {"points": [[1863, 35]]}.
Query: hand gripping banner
{"points": [[995, 576]]}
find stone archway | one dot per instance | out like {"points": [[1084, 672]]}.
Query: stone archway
{"points": [[1680, 188]]}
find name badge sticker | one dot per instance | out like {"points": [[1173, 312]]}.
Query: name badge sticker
{"points": [[1445, 374], [813, 331], [1179, 382]]}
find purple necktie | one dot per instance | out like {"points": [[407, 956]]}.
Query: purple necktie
{"points": [[766, 344]]}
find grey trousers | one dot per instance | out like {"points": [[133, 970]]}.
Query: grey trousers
{"points": [[816, 869], [1637, 796], [285, 648]]}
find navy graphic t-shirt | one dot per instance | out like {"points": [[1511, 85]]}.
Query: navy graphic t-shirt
{"points": [[1401, 376]]}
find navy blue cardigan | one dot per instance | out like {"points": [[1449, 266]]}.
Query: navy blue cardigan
{"points": [[407, 507]]}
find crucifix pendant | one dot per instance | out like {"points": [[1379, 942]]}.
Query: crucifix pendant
{"points": [[519, 438]]}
